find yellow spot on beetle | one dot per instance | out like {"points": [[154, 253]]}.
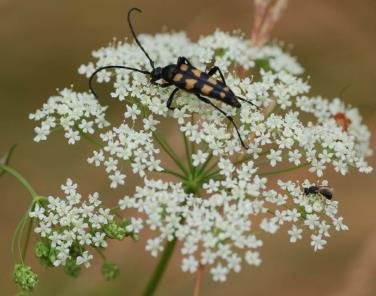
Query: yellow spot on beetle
{"points": [[212, 80], [222, 94], [196, 72], [184, 67], [226, 88], [190, 83], [178, 77], [206, 89]]}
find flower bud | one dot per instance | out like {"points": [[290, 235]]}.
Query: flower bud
{"points": [[71, 268], [110, 270], [25, 277], [115, 231], [42, 252]]}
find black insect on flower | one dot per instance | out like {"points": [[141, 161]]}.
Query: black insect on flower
{"points": [[184, 76], [325, 191]]}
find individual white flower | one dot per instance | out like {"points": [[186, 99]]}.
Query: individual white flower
{"points": [[154, 246], [295, 234], [253, 258], [132, 112], [199, 158], [117, 179], [37, 212], [219, 273], [189, 264], [135, 226], [84, 259], [294, 157], [274, 156], [97, 158], [42, 133], [338, 224], [317, 242]]}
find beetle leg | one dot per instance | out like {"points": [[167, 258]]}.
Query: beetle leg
{"points": [[171, 97], [216, 69], [246, 101], [207, 101], [166, 84], [183, 60]]}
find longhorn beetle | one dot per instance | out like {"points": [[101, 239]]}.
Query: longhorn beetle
{"points": [[184, 76]]}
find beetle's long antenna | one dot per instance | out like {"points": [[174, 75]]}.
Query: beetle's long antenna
{"points": [[111, 67], [135, 37], [246, 101]]}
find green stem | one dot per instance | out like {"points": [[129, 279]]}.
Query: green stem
{"points": [[161, 267], [27, 239], [186, 147], [90, 139], [101, 254], [202, 169], [18, 235], [166, 147], [169, 172], [166, 255], [283, 170], [20, 179]]}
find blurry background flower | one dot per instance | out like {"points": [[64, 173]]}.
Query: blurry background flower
{"points": [[331, 85]]}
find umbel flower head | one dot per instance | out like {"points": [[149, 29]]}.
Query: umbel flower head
{"points": [[221, 201]]}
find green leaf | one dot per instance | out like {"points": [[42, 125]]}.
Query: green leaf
{"points": [[6, 158]]}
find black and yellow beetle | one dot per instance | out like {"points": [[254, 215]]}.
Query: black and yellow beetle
{"points": [[184, 76]]}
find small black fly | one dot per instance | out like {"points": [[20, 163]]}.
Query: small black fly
{"points": [[325, 191], [184, 76]]}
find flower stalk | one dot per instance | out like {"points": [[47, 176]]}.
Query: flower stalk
{"points": [[156, 277]]}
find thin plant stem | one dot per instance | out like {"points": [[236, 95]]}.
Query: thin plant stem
{"points": [[101, 254], [166, 147], [20, 232], [90, 139], [20, 179], [199, 280], [289, 169], [27, 239], [161, 267], [162, 264], [214, 165], [202, 169], [170, 172], [15, 239], [187, 152]]}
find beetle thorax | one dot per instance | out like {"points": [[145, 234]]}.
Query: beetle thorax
{"points": [[168, 72]]}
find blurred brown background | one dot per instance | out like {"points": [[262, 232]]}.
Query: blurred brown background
{"points": [[44, 41]]}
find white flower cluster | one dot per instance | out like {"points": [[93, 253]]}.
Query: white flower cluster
{"points": [[126, 144], [211, 230], [312, 211], [291, 130], [283, 134], [72, 223], [74, 112], [218, 231]]}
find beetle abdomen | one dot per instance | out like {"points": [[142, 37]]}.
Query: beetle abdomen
{"points": [[195, 81]]}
